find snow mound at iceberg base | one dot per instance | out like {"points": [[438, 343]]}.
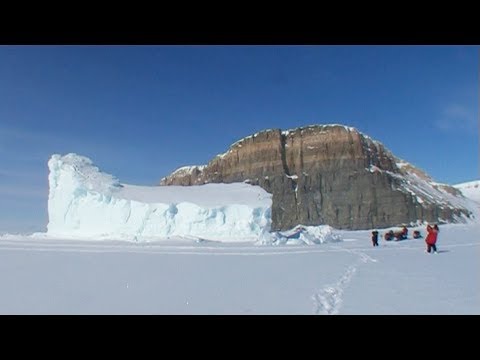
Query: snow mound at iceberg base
{"points": [[303, 235], [86, 203]]}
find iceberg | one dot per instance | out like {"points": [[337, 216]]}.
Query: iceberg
{"points": [[87, 203]]}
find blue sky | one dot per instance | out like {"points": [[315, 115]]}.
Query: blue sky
{"points": [[142, 111]]}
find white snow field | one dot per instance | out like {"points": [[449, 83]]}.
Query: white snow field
{"points": [[40, 275]]}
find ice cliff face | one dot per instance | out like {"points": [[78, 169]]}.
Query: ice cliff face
{"points": [[87, 203]]}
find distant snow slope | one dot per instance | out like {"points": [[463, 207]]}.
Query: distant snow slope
{"points": [[425, 190], [85, 202], [470, 190]]}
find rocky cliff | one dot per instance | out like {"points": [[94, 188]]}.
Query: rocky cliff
{"points": [[329, 174]]}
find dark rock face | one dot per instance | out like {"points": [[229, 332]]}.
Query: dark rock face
{"points": [[328, 174]]}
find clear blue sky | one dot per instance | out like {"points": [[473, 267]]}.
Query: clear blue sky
{"points": [[142, 111]]}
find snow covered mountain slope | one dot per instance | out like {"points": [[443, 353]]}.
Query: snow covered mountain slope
{"points": [[85, 202], [470, 190], [331, 174]]}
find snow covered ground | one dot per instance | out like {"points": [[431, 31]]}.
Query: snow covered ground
{"points": [[50, 276]]}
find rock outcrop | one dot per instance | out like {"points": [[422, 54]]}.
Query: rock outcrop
{"points": [[329, 174]]}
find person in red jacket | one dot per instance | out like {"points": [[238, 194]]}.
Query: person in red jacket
{"points": [[431, 238]]}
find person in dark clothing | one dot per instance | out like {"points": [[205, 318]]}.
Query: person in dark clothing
{"points": [[389, 235], [375, 238]]}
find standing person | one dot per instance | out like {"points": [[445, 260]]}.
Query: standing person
{"points": [[431, 238], [436, 230], [375, 238]]}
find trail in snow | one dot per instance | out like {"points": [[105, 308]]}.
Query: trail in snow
{"points": [[181, 249], [199, 248], [330, 298]]}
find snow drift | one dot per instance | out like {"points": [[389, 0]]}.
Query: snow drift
{"points": [[303, 235], [84, 202]]}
